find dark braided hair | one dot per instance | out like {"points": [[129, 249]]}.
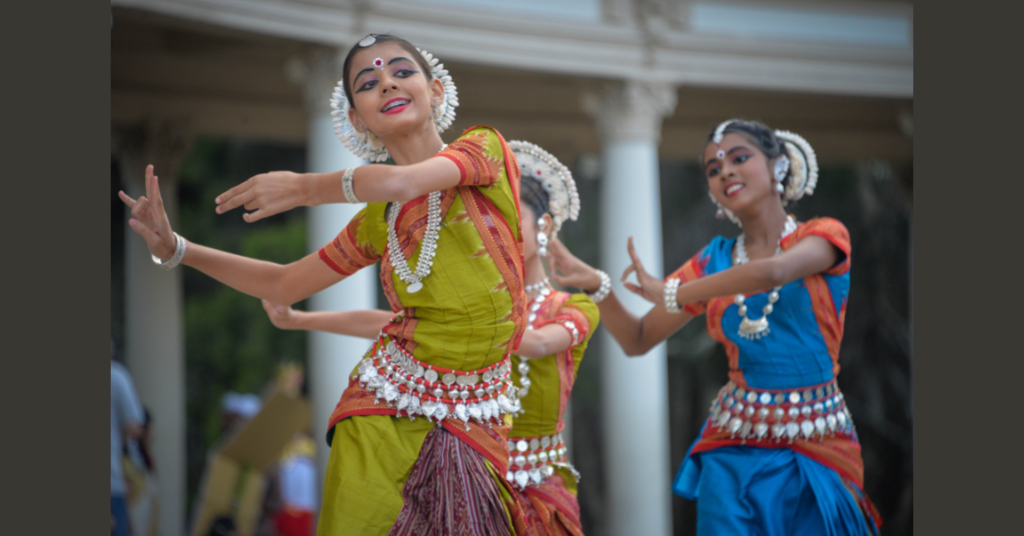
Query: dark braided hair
{"points": [[764, 139], [382, 38], [533, 195]]}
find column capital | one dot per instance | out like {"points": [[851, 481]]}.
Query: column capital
{"points": [[630, 110], [318, 72]]}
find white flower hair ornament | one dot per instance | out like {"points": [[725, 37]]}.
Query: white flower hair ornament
{"points": [[366, 144], [542, 166], [803, 165]]}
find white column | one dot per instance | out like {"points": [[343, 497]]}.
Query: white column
{"points": [[154, 317], [635, 401], [331, 357]]}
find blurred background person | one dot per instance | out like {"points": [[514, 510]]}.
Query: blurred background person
{"points": [[126, 420], [140, 472]]}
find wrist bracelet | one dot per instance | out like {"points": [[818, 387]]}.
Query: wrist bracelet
{"points": [[604, 290], [179, 253], [671, 304], [346, 186]]}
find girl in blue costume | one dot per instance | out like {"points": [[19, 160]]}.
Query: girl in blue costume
{"points": [[779, 454]]}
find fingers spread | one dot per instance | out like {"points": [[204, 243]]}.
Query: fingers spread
{"points": [[158, 199], [127, 200], [629, 270], [226, 196], [140, 208], [236, 201], [636, 258], [251, 217]]}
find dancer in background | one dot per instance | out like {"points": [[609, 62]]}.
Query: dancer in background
{"points": [[779, 453], [559, 327], [444, 222]]}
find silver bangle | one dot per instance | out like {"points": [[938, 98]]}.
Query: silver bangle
{"points": [[604, 290], [179, 253], [346, 186], [671, 303]]}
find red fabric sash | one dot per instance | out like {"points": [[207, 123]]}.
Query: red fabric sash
{"points": [[551, 509]]}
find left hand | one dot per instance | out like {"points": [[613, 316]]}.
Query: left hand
{"points": [[650, 288], [266, 194], [283, 317]]}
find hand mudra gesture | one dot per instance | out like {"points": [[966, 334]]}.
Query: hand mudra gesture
{"points": [[149, 219], [265, 195], [569, 271], [649, 288]]}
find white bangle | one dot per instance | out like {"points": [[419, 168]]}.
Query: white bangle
{"points": [[179, 253], [671, 303], [604, 290], [346, 186]]}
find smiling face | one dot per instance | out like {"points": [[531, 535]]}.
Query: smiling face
{"points": [[390, 91], [741, 177]]}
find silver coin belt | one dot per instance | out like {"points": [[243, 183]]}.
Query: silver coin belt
{"points": [[781, 415], [533, 459], [416, 388]]}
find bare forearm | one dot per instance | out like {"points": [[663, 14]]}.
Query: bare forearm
{"points": [[365, 324], [374, 183], [752, 277], [537, 343], [636, 335], [281, 284]]}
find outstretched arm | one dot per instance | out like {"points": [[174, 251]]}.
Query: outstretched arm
{"points": [[811, 255], [279, 191], [285, 284], [366, 324], [635, 335]]}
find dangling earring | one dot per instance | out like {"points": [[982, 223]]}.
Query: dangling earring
{"points": [[542, 239], [779, 187], [781, 167], [720, 214]]}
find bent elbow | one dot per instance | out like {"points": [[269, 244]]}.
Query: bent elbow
{"points": [[636, 350]]}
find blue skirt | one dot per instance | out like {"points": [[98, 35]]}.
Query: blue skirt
{"points": [[769, 492]]}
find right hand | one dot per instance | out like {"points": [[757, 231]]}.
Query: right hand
{"points": [[282, 316], [569, 271], [266, 194], [149, 218]]}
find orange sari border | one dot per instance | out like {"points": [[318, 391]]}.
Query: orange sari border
{"points": [[551, 509]]}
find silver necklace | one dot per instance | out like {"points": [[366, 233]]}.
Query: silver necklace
{"points": [[544, 290], [428, 246], [755, 329], [536, 286]]}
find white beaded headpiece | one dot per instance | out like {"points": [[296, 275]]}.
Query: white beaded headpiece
{"points": [[803, 166], [366, 144], [542, 166]]}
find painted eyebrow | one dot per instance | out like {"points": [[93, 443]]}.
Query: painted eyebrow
{"points": [[361, 73], [370, 69], [734, 149]]}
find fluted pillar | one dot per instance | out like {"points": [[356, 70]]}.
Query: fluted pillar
{"points": [[331, 357], [635, 400], [154, 314]]}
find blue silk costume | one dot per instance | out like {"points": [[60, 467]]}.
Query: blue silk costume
{"points": [[779, 454]]}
